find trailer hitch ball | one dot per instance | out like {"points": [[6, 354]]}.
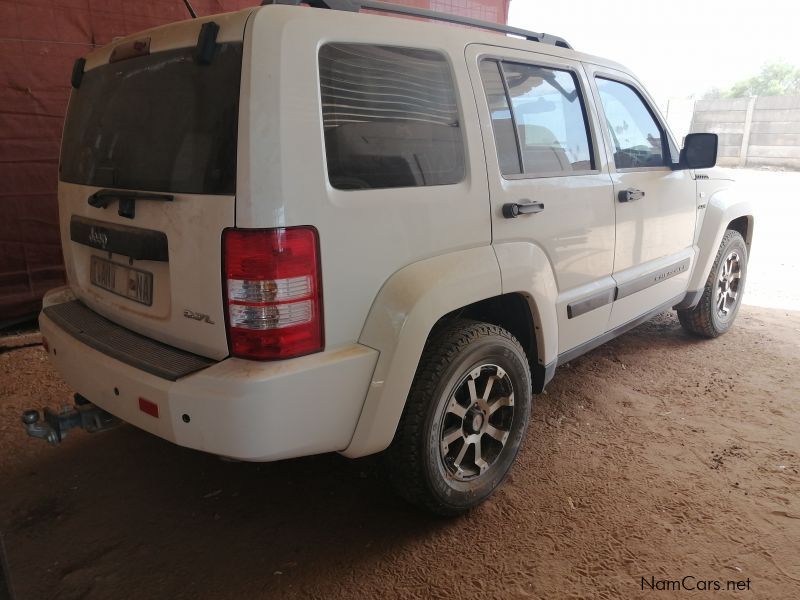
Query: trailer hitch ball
{"points": [[29, 417], [44, 431], [53, 425]]}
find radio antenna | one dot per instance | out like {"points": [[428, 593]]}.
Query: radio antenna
{"points": [[190, 9]]}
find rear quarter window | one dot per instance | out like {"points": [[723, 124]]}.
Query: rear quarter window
{"points": [[390, 117]]}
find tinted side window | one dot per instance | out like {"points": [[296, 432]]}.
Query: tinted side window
{"points": [[637, 137], [390, 117], [502, 122], [549, 116]]}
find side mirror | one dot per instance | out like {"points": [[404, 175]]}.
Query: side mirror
{"points": [[699, 151]]}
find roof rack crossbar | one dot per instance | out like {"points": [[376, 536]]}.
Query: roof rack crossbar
{"points": [[357, 5]]}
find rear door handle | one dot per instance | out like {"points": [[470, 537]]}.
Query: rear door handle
{"points": [[630, 195], [512, 210]]}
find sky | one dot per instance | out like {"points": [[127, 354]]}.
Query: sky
{"points": [[677, 48]]}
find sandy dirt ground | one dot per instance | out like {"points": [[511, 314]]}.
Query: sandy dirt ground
{"points": [[773, 279], [656, 456]]}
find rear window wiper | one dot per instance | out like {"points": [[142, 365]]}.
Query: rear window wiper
{"points": [[127, 200]]}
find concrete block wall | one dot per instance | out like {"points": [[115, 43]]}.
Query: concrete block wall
{"points": [[758, 131]]}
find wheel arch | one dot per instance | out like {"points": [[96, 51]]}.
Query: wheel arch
{"points": [[409, 305], [725, 209], [516, 313], [744, 225]]}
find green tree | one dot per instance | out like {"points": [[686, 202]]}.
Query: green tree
{"points": [[774, 79], [714, 94]]}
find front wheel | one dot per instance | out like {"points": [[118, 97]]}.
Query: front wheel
{"points": [[722, 295], [464, 420]]}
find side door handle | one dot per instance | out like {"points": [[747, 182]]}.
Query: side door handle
{"points": [[512, 210], [630, 195]]}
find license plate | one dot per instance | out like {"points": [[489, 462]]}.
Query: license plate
{"points": [[122, 280]]}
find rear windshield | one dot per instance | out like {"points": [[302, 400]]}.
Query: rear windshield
{"points": [[161, 122]]}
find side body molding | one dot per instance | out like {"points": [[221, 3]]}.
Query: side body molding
{"points": [[723, 206], [405, 310]]}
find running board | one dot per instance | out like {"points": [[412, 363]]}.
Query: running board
{"points": [[577, 351]]}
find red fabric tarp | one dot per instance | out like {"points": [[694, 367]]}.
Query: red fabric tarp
{"points": [[39, 41]]}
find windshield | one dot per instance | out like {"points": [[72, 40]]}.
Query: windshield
{"points": [[160, 122]]}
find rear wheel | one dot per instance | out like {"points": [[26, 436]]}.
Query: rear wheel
{"points": [[722, 295], [464, 420]]}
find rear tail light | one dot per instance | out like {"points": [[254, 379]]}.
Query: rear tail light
{"points": [[273, 292]]}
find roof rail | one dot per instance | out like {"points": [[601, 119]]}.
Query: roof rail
{"points": [[357, 5]]}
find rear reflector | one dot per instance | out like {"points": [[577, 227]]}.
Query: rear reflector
{"points": [[151, 408], [273, 292]]}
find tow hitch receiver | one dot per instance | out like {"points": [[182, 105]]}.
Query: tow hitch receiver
{"points": [[56, 424]]}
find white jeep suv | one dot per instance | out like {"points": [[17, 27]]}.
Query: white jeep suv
{"points": [[294, 230]]}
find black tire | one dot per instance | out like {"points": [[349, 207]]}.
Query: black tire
{"points": [[707, 319], [456, 354]]}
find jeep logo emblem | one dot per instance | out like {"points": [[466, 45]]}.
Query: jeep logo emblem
{"points": [[98, 237]]}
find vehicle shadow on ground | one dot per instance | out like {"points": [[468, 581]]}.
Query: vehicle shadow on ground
{"points": [[106, 509]]}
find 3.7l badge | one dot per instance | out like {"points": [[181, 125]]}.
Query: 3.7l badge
{"points": [[197, 316]]}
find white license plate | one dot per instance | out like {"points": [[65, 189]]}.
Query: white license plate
{"points": [[122, 280]]}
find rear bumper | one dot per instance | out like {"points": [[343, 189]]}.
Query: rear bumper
{"points": [[237, 408]]}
